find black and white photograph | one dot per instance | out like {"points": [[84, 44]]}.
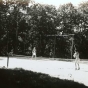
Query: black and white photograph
{"points": [[43, 43]]}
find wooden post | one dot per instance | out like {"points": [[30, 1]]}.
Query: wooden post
{"points": [[17, 33], [24, 43], [7, 60], [17, 36], [54, 45], [40, 46], [7, 44], [72, 48], [7, 48]]}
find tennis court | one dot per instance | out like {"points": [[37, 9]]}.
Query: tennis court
{"points": [[64, 69]]}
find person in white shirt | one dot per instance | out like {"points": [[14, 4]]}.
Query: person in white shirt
{"points": [[77, 59], [34, 53]]}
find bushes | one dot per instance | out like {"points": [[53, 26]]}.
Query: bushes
{"points": [[19, 78]]}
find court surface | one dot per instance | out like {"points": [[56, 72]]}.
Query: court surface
{"points": [[62, 69]]}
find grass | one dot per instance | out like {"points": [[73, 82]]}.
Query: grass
{"points": [[19, 78]]}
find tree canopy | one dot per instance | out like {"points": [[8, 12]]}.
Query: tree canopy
{"points": [[25, 24]]}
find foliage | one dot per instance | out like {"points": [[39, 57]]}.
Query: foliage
{"points": [[19, 78], [24, 25]]}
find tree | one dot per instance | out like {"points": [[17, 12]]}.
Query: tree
{"points": [[66, 15], [3, 27], [12, 13], [42, 23], [83, 10], [81, 38]]}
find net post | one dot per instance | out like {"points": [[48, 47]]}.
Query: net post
{"points": [[7, 48]]}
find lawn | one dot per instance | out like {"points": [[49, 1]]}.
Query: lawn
{"points": [[19, 78]]}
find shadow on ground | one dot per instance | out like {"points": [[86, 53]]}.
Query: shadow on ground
{"points": [[19, 78]]}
